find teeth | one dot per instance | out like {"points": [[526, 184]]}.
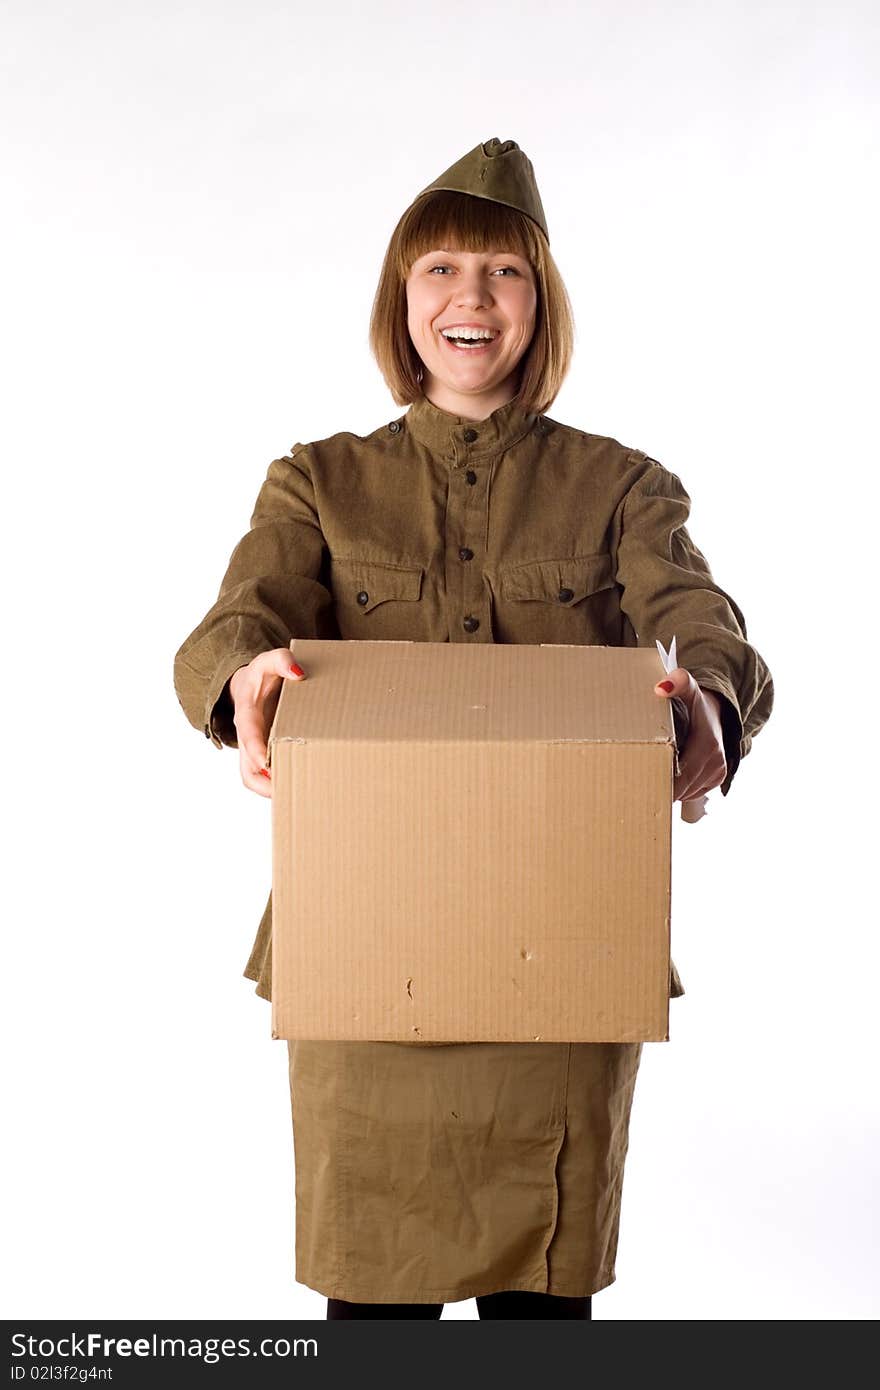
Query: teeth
{"points": [[472, 333]]}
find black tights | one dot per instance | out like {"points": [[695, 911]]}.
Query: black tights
{"points": [[515, 1303]]}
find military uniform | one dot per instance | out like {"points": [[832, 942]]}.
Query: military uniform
{"points": [[435, 1172]]}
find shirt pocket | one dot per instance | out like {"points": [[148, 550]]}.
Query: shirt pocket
{"points": [[377, 599], [569, 600]]}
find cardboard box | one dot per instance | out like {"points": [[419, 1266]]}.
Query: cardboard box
{"points": [[471, 843]]}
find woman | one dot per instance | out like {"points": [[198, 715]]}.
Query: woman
{"points": [[526, 530]]}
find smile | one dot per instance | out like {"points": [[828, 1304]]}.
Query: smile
{"points": [[472, 340]]}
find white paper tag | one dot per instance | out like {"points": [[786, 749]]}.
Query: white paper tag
{"points": [[669, 658], [691, 811]]}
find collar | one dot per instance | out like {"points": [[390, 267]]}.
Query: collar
{"points": [[472, 439]]}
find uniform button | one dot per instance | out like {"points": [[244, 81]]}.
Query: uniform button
{"points": [[469, 436], [363, 597], [565, 595], [471, 624], [394, 427], [465, 553], [470, 477]]}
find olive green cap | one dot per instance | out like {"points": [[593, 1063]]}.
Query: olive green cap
{"points": [[499, 172]]}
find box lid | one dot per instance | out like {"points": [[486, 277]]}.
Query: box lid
{"points": [[414, 691]]}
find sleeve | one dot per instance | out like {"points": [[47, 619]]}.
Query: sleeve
{"points": [[668, 590], [271, 592]]}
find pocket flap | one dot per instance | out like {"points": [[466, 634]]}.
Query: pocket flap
{"points": [[370, 582], [558, 581]]}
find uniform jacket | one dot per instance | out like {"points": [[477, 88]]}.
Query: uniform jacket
{"points": [[435, 528]]}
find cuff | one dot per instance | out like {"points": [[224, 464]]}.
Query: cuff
{"points": [[731, 722], [219, 710]]}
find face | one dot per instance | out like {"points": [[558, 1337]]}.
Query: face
{"points": [[463, 292]]}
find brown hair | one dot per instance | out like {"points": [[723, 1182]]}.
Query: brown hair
{"points": [[444, 218]]}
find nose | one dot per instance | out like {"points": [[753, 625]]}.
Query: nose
{"points": [[473, 291]]}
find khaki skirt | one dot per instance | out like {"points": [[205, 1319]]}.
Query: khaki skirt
{"points": [[429, 1174]]}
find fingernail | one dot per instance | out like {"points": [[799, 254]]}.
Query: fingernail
{"points": [[666, 685], [264, 772], [297, 670]]}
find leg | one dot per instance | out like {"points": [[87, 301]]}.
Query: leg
{"points": [[338, 1310], [518, 1303]]}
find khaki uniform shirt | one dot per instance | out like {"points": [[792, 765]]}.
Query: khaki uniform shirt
{"points": [[434, 528]]}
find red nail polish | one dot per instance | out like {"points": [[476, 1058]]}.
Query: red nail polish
{"points": [[666, 685], [297, 670], [264, 772]]}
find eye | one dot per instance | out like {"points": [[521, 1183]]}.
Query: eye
{"points": [[511, 270], [438, 267]]}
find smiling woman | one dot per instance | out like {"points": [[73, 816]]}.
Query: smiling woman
{"points": [[495, 270], [471, 316], [435, 1171]]}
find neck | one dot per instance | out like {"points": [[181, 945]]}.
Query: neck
{"points": [[475, 405]]}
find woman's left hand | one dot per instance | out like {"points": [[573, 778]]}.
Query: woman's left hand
{"points": [[703, 764]]}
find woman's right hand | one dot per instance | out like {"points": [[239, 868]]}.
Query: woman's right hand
{"points": [[255, 690]]}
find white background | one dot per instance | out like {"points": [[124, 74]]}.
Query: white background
{"points": [[197, 201]]}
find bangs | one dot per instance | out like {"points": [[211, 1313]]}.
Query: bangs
{"points": [[460, 222]]}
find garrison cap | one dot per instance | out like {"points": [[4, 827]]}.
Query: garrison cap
{"points": [[499, 172]]}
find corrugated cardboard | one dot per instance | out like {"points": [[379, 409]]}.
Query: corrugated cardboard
{"points": [[471, 843]]}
